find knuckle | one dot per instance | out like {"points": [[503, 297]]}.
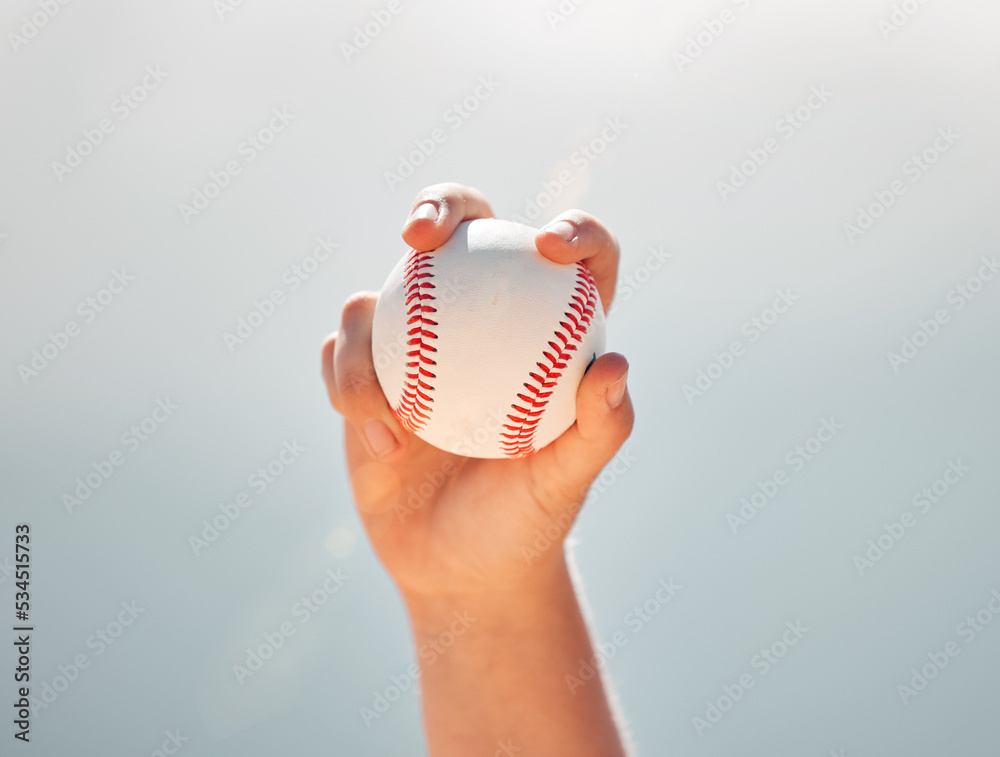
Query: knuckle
{"points": [[599, 234], [438, 192], [614, 249], [453, 188], [357, 306], [582, 217]]}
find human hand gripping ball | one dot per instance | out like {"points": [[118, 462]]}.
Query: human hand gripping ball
{"points": [[479, 402]]}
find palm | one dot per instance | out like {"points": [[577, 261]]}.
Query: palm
{"points": [[442, 522]]}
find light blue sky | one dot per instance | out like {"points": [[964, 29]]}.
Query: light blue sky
{"points": [[555, 85]]}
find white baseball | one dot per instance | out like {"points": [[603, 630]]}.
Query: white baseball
{"points": [[480, 345]]}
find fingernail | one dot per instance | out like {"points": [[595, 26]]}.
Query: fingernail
{"points": [[427, 210], [565, 229], [379, 437], [616, 392]]}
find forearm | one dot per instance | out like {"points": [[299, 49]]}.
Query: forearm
{"points": [[494, 672]]}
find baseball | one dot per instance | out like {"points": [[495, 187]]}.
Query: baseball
{"points": [[480, 345]]}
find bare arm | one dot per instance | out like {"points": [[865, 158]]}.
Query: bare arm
{"points": [[501, 686], [496, 633]]}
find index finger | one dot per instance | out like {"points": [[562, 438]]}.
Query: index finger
{"points": [[437, 211], [577, 236]]}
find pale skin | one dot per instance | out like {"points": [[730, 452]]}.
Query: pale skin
{"points": [[466, 550]]}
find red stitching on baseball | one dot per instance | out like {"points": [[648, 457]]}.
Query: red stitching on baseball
{"points": [[519, 434], [414, 407]]}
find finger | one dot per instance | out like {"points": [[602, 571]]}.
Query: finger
{"points": [[604, 419], [329, 378], [437, 210], [575, 235], [362, 401]]}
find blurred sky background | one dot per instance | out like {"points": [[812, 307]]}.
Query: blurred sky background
{"points": [[559, 74]]}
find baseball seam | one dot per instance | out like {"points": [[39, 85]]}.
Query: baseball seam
{"points": [[414, 407], [518, 436]]}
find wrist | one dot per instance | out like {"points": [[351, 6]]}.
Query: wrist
{"points": [[522, 603]]}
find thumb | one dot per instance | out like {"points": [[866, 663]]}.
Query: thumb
{"points": [[604, 419]]}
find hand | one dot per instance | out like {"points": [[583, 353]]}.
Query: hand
{"points": [[445, 525]]}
